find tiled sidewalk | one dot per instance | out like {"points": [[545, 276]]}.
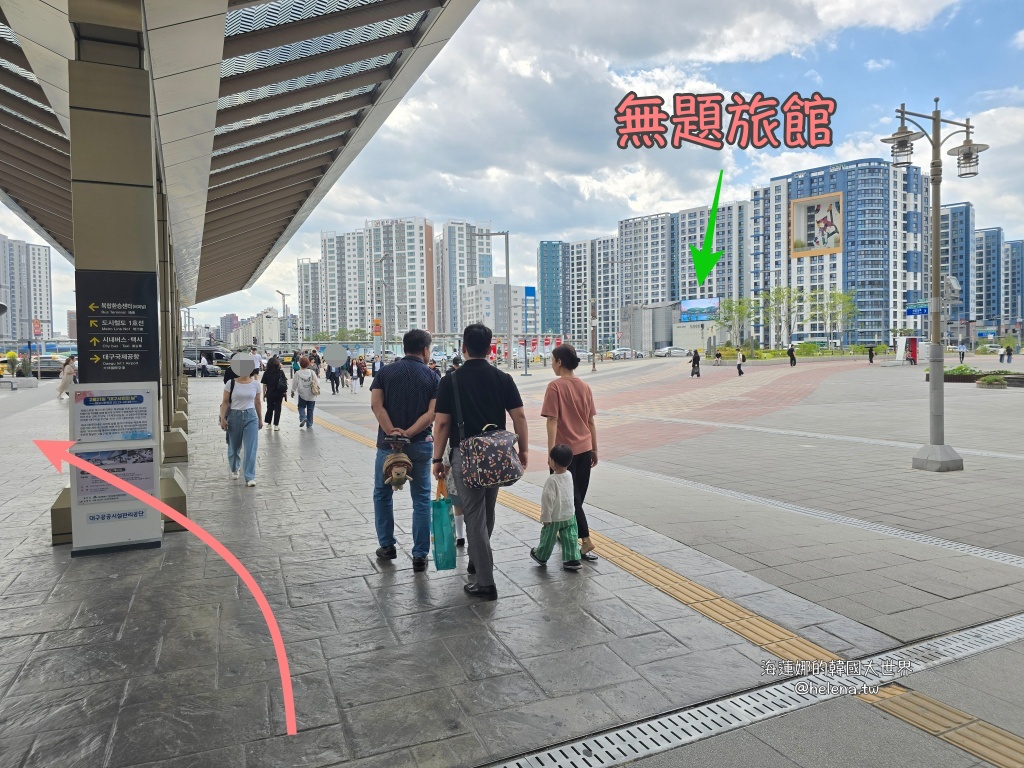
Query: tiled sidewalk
{"points": [[139, 658]]}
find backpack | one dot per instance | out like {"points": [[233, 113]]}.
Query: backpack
{"points": [[282, 385], [743, 358], [295, 364]]}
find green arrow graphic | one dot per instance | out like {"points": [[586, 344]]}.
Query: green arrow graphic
{"points": [[705, 258]]}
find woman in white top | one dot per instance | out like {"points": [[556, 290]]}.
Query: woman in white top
{"points": [[67, 377], [306, 385], [241, 414]]}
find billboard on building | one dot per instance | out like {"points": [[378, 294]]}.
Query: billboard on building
{"points": [[698, 310], [817, 225]]}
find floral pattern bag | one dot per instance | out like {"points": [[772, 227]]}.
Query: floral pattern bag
{"points": [[489, 459]]}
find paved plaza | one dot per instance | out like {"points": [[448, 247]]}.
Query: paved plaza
{"points": [[763, 491]]}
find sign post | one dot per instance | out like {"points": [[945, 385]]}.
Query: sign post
{"points": [[119, 310]]}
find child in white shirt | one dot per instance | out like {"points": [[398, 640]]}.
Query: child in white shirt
{"points": [[558, 514]]}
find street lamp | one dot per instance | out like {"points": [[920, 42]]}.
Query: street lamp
{"points": [[383, 307], [936, 456], [508, 289], [287, 320]]}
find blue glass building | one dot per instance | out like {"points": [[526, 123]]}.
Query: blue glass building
{"points": [[552, 265]]}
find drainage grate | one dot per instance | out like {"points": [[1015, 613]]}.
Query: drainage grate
{"points": [[1003, 558], [687, 726]]}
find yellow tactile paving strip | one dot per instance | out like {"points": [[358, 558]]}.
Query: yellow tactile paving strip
{"points": [[979, 738]]}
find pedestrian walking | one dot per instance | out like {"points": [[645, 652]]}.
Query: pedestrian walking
{"points": [[484, 396], [204, 365], [740, 360], [792, 355], [695, 364], [871, 355], [257, 359], [295, 364], [67, 377], [306, 387], [378, 365], [402, 397], [1009, 354], [241, 417], [275, 391], [432, 365], [961, 350], [333, 378], [569, 409], [556, 513], [353, 371], [361, 369]]}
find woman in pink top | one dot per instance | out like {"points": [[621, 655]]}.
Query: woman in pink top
{"points": [[569, 410]]}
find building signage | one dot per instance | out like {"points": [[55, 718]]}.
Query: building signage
{"points": [[119, 338], [107, 412]]}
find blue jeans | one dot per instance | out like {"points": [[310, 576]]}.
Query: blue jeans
{"points": [[243, 433], [306, 412], [419, 484]]}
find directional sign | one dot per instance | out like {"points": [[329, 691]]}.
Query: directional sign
{"points": [[917, 308], [120, 309]]}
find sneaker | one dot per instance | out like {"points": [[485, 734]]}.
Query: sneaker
{"points": [[470, 568], [302, 423], [234, 475], [277, 427], [419, 564], [251, 483], [571, 565], [590, 557], [487, 593], [460, 542], [537, 560], [386, 553]]}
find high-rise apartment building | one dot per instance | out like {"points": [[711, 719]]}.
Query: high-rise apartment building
{"points": [[400, 257], [648, 248], [1012, 286], [73, 324], [332, 277], [310, 300], [464, 257], [25, 288], [487, 302], [956, 255], [228, 323], [729, 277], [859, 227], [593, 281], [986, 285], [552, 284]]}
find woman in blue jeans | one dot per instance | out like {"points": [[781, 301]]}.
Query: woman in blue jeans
{"points": [[302, 385], [241, 415]]}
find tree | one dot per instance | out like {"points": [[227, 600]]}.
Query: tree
{"points": [[783, 305], [322, 336], [834, 309], [734, 315], [845, 304]]}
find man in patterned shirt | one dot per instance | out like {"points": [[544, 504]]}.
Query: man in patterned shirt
{"points": [[402, 397]]}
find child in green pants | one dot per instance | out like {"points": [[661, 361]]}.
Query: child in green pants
{"points": [[557, 513]]}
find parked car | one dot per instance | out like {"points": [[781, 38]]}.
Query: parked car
{"points": [[990, 349], [672, 352], [190, 367], [625, 353]]}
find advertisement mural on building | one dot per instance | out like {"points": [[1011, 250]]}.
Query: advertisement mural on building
{"points": [[817, 225], [698, 310]]}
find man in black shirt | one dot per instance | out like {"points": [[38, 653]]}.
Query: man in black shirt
{"points": [[402, 397], [486, 395]]}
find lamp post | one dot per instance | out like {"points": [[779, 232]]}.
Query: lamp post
{"points": [[383, 307], [284, 314], [936, 456], [508, 290]]}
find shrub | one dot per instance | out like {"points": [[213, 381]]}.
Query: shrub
{"points": [[808, 349], [962, 370], [992, 379]]}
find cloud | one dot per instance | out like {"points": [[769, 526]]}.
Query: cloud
{"points": [[1011, 96], [1018, 39], [813, 76], [873, 65]]}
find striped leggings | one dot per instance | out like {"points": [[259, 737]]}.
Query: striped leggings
{"points": [[570, 540]]}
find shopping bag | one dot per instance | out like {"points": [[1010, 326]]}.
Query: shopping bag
{"points": [[442, 530]]}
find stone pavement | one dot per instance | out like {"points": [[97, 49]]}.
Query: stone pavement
{"points": [[160, 658]]}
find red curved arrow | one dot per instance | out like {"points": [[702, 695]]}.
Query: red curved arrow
{"points": [[57, 451]]}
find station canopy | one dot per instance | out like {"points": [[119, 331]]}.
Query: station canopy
{"points": [[259, 106]]}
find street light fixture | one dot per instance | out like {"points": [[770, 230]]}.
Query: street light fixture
{"points": [[936, 456], [383, 307]]}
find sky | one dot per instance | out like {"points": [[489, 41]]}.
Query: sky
{"points": [[513, 122]]}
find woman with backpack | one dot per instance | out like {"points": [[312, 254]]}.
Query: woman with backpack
{"points": [[740, 360], [241, 418], [307, 387], [275, 390]]}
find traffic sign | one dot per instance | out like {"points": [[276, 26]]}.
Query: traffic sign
{"points": [[917, 308]]}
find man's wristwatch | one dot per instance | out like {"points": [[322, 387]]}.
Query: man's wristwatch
{"points": [[437, 461]]}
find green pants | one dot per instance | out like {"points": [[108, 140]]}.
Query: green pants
{"points": [[570, 540]]}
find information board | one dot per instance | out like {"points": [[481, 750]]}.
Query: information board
{"points": [[106, 412], [118, 337], [135, 465]]}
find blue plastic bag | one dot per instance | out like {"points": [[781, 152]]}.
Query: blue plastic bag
{"points": [[442, 530]]}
